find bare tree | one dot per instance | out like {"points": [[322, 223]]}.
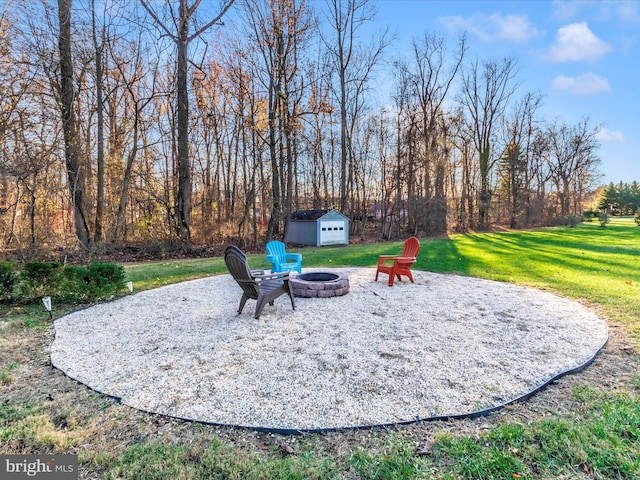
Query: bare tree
{"points": [[280, 27], [383, 131], [98, 45], [403, 171], [572, 162], [319, 138], [486, 91], [95, 136], [520, 130], [182, 37], [461, 138], [431, 75], [71, 140], [15, 81], [354, 64], [138, 80]]}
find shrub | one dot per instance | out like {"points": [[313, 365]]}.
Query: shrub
{"points": [[38, 279], [589, 215], [74, 284], [98, 281], [104, 280], [603, 218], [636, 217], [8, 280], [71, 283], [573, 220]]}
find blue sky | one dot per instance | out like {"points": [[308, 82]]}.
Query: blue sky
{"points": [[583, 56]]}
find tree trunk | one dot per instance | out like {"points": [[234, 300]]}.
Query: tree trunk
{"points": [[182, 39], [344, 192], [71, 148], [484, 202], [183, 200], [126, 181], [439, 202], [100, 146], [274, 220]]}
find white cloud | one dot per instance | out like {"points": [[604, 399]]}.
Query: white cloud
{"points": [[576, 42], [564, 9], [628, 11], [494, 27], [625, 10], [586, 84], [605, 136]]}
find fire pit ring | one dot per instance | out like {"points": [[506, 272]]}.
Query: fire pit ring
{"points": [[319, 285]]}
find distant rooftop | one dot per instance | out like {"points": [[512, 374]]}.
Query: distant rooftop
{"points": [[308, 214]]}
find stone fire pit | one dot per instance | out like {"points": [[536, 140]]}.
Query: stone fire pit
{"points": [[320, 285]]}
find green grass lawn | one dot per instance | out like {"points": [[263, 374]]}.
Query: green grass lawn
{"points": [[597, 264], [598, 437]]}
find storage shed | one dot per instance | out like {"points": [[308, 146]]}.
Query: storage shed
{"points": [[318, 228]]}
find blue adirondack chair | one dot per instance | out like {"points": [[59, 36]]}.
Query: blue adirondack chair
{"points": [[281, 260]]}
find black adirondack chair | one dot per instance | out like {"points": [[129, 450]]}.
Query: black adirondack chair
{"points": [[242, 255], [264, 288]]}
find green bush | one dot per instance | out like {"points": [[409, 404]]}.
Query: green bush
{"points": [[636, 217], [573, 220], [70, 283], [104, 280], [8, 280], [74, 284], [98, 281], [603, 217], [38, 279], [589, 215]]}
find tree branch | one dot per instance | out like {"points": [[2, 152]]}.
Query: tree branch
{"points": [[157, 20], [212, 22]]}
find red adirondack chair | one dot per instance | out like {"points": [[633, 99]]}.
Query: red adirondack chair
{"points": [[396, 265]]}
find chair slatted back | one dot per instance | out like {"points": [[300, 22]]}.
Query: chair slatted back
{"points": [[239, 269], [277, 249], [236, 250], [410, 247]]}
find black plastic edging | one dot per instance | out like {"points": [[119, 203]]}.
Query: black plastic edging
{"points": [[296, 431]]}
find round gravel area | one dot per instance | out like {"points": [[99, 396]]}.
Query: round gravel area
{"points": [[445, 346]]}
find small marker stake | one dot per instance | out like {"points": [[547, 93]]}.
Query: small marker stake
{"points": [[47, 305]]}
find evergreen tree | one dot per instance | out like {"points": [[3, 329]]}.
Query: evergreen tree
{"points": [[621, 199]]}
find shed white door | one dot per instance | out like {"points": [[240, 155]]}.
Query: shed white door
{"points": [[332, 232]]}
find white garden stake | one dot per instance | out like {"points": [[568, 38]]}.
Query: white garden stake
{"points": [[47, 305]]}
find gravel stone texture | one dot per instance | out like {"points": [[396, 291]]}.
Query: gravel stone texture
{"points": [[446, 345]]}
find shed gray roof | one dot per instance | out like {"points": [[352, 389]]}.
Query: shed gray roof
{"points": [[308, 214]]}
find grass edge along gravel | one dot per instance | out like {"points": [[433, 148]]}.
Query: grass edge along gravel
{"points": [[597, 265]]}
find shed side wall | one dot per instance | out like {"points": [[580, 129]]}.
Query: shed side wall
{"points": [[302, 232]]}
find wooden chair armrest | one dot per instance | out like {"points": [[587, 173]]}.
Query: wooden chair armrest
{"points": [[273, 276], [405, 259], [385, 258]]}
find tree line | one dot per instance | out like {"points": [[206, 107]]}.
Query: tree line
{"points": [[199, 122], [621, 199]]}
